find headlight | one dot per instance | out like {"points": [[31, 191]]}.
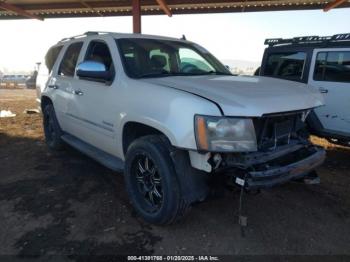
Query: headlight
{"points": [[225, 134]]}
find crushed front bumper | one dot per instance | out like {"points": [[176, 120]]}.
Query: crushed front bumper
{"points": [[265, 170], [280, 175]]}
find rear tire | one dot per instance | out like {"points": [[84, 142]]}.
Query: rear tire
{"points": [[52, 129], [151, 181]]}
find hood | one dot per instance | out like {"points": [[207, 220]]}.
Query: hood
{"points": [[246, 95]]}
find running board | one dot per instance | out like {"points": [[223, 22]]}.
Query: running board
{"points": [[100, 156]]}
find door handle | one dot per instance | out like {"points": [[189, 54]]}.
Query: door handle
{"points": [[54, 86], [323, 90], [78, 92]]}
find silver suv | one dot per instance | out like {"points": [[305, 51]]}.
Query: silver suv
{"points": [[172, 118]]}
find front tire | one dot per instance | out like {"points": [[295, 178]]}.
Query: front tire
{"points": [[151, 181], [52, 129]]}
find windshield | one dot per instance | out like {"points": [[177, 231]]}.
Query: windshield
{"points": [[159, 58]]}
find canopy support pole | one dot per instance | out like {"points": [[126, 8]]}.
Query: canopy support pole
{"points": [[136, 16]]}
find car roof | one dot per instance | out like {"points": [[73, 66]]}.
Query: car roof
{"points": [[101, 35], [308, 46], [309, 42]]}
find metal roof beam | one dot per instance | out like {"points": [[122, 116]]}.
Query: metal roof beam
{"points": [[19, 11], [90, 7], [165, 7], [333, 4]]}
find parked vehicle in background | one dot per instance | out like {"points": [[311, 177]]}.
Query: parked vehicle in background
{"points": [[31, 81], [321, 62], [170, 116], [13, 81]]}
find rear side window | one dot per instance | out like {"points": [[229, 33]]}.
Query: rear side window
{"points": [[51, 57], [288, 65], [333, 66], [69, 61]]}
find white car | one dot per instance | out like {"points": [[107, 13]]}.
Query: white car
{"points": [[323, 63], [171, 117]]}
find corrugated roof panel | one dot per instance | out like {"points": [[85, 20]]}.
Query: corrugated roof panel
{"points": [[80, 8]]}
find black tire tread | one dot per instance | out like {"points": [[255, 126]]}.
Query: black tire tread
{"points": [[165, 148], [58, 143]]}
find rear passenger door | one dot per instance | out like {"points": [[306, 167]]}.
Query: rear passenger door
{"points": [[330, 73], [62, 85]]}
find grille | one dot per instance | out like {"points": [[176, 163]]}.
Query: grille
{"points": [[278, 129]]}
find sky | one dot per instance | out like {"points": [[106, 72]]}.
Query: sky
{"points": [[230, 36]]}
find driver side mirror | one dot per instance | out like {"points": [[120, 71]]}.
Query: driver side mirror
{"points": [[93, 70]]}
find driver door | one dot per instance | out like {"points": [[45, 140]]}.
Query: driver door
{"points": [[331, 75], [97, 101]]}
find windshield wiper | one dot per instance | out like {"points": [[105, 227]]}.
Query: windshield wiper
{"points": [[166, 73], [157, 74], [215, 73]]}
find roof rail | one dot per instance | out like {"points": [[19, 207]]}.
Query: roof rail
{"points": [[88, 33], [308, 39], [97, 33]]}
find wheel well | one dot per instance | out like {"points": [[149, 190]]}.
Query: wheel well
{"points": [[134, 130], [44, 102]]}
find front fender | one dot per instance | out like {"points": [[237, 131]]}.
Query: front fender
{"points": [[172, 113]]}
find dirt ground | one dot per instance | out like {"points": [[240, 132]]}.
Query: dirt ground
{"points": [[66, 204]]}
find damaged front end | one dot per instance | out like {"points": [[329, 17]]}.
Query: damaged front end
{"points": [[283, 153], [267, 169]]}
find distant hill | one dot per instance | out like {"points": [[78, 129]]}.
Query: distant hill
{"points": [[241, 66], [241, 63]]}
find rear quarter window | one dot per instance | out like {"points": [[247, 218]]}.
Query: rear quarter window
{"points": [[51, 57]]}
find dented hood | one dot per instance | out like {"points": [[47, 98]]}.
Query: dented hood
{"points": [[246, 95]]}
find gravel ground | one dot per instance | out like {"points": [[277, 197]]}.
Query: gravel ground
{"points": [[66, 204]]}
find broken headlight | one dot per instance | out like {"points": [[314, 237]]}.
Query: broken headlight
{"points": [[225, 134]]}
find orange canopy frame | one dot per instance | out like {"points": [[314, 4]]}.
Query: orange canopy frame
{"points": [[39, 9]]}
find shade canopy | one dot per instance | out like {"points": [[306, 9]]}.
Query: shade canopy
{"points": [[41, 9]]}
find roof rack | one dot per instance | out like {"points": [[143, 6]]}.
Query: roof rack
{"points": [[88, 33], [308, 39]]}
